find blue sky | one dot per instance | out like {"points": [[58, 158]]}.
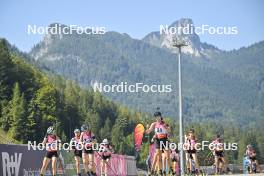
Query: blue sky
{"points": [[135, 17]]}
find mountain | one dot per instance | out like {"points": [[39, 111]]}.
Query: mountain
{"points": [[164, 39], [228, 87]]}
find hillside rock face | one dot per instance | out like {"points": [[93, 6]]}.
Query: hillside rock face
{"points": [[182, 29]]}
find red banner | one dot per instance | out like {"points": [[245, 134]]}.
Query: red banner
{"points": [[138, 136]]}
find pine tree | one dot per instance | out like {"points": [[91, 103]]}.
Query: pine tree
{"points": [[71, 106], [6, 66], [106, 130], [45, 103], [5, 119], [18, 114], [32, 122]]}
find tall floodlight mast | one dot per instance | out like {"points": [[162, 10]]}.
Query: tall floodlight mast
{"points": [[179, 44]]}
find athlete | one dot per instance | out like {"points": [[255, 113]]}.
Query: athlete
{"points": [[52, 143], [105, 151], [87, 138], [251, 154], [191, 152], [76, 146], [150, 153], [175, 158], [218, 152], [166, 160], [161, 141], [153, 168]]}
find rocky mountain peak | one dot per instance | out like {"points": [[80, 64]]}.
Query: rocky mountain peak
{"points": [[183, 29], [183, 22]]}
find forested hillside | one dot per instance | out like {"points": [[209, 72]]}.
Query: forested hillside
{"points": [[31, 101]]}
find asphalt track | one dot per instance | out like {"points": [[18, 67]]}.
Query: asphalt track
{"points": [[258, 174], [144, 173]]}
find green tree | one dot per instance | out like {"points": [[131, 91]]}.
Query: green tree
{"points": [[18, 114], [32, 127], [118, 134], [45, 102], [105, 132], [5, 118], [71, 109], [6, 67], [93, 121]]}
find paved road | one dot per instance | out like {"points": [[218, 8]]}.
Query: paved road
{"points": [[259, 174], [144, 173]]}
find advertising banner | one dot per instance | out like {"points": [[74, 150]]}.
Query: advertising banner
{"points": [[17, 160]]}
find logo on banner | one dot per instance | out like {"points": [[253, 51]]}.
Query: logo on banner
{"points": [[11, 163]]}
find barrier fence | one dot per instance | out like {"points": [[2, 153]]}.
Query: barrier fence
{"points": [[17, 160]]}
